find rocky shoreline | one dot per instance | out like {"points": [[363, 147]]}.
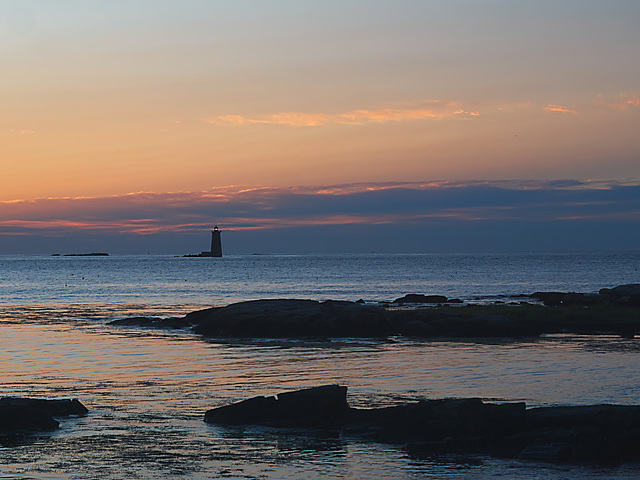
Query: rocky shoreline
{"points": [[596, 434], [614, 311], [458, 429]]}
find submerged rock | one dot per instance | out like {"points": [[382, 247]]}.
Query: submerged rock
{"points": [[151, 322], [32, 414], [598, 434]]}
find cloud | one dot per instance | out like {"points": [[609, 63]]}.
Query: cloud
{"points": [[408, 215], [621, 103], [433, 110], [238, 207], [559, 109], [24, 131]]}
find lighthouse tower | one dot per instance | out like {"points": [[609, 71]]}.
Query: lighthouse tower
{"points": [[216, 243]]}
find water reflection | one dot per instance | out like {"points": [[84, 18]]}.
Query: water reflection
{"points": [[147, 393]]}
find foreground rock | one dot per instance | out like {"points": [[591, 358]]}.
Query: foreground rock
{"points": [[314, 407], [599, 434], [30, 414]]}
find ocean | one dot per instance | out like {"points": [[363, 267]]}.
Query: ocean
{"points": [[147, 390]]}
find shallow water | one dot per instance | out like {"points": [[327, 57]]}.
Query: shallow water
{"points": [[147, 392]]}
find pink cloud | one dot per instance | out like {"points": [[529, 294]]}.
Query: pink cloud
{"points": [[433, 110], [559, 109], [250, 208]]}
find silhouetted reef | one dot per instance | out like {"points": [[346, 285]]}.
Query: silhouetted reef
{"points": [[611, 311], [596, 434], [34, 414]]}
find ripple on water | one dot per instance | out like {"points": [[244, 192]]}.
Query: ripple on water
{"points": [[147, 393]]}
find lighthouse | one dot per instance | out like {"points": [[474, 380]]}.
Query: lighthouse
{"points": [[216, 243]]}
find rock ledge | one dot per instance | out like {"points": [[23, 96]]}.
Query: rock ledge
{"points": [[596, 434]]}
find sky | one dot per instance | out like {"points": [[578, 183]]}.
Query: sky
{"points": [[319, 126]]}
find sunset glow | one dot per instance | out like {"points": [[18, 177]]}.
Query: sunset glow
{"points": [[101, 102]]}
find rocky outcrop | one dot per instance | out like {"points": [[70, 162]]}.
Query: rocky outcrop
{"points": [[562, 299], [420, 298], [313, 407], [30, 414], [292, 319], [598, 434], [311, 319], [612, 311], [445, 323], [625, 295]]}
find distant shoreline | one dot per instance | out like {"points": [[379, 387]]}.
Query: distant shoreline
{"points": [[94, 254]]}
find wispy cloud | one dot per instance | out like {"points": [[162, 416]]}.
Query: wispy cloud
{"points": [[437, 110], [24, 131], [622, 102], [250, 208], [560, 109], [433, 110]]}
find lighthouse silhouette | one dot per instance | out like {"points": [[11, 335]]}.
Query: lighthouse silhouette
{"points": [[216, 243]]}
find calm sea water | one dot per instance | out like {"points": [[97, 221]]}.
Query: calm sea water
{"points": [[167, 280], [147, 391]]}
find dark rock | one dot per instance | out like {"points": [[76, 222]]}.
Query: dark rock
{"points": [[311, 407], [480, 326], [134, 322], [628, 295], [628, 290], [13, 418], [57, 407], [316, 406], [505, 418], [256, 410], [559, 299], [605, 417], [420, 298], [418, 328], [592, 448], [29, 414], [292, 319], [596, 434], [610, 312]]}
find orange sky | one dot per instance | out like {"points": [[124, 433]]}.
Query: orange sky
{"points": [[100, 99]]}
